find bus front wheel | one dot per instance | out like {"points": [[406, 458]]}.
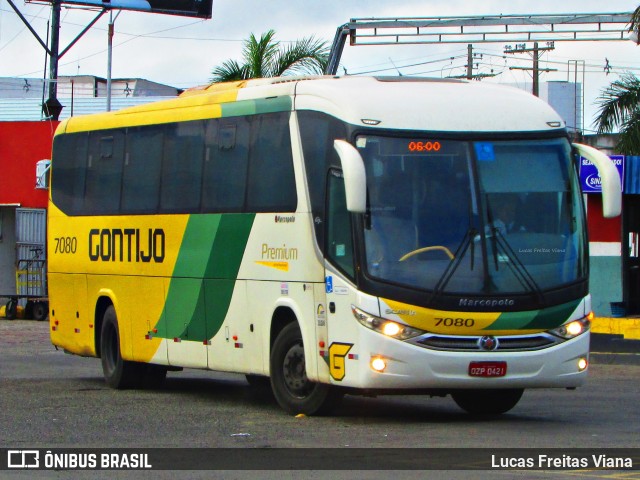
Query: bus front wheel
{"points": [[487, 402], [293, 390], [118, 373]]}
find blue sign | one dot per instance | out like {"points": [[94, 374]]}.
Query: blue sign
{"points": [[484, 151], [329, 284], [590, 179]]}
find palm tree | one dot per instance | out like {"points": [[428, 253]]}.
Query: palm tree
{"points": [[635, 19], [619, 106], [266, 58]]}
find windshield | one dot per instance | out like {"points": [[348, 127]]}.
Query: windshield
{"points": [[499, 217]]}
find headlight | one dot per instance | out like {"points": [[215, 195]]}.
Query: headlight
{"points": [[573, 329], [386, 327]]}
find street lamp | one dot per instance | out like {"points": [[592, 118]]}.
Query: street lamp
{"points": [[52, 108]]}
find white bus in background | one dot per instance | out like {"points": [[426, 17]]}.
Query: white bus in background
{"points": [[326, 236]]}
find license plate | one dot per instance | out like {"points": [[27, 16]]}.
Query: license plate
{"points": [[487, 369]]}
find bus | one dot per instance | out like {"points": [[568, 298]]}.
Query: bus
{"points": [[327, 236]]}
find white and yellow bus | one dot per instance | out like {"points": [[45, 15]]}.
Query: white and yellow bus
{"points": [[327, 236]]}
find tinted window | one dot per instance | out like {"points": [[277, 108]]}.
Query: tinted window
{"points": [[182, 167], [141, 172], [68, 176], [225, 165], [318, 131], [104, 171], [272, 186], [236, 164], [339, 240]]}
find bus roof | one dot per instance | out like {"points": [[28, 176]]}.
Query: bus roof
{"points": [[413, 103], [439, 105]]}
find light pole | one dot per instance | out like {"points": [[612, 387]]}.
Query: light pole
{"points": [[52, 106], [110, 55]]}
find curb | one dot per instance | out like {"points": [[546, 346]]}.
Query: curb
{"points": [[615, 340]]}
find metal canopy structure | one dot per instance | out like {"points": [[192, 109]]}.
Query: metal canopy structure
{"points": [[485, 29], [52, 107]]}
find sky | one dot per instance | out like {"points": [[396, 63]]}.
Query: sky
{"points": [[182, 51]]}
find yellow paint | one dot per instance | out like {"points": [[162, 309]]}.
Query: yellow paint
{"points": [[72, 324], [214, 88], [283, 266], [60, 230], [337, 364], [629, 328], [444, 322], [152, 290], [187, 107], [73, 297]]}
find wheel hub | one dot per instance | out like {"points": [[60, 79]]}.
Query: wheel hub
{"points": [[295, 375]]}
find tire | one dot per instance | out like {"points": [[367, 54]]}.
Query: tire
{"points": [[294, 392], [118, 373], [11, 310], [40, 311], [487, 402]]}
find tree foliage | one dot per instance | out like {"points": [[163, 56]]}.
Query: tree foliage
{"points": [[266, 57], [619, 106], [635, 19]]}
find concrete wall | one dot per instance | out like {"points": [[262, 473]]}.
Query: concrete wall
{"points": [[605, 283]]}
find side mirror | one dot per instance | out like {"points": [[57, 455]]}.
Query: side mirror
{"points": [[610, 179], [355, 179]]}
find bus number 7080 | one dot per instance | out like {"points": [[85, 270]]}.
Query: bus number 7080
{"points": [[455, 322]]}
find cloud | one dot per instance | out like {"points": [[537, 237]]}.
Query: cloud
{"points": [[182, 51]]}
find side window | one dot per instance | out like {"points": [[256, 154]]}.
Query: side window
{"points": [[141, 171], [68, 175], [339, 239], [318, 131], [104, 172], [226, 161], [271, 186], [182, 167]]}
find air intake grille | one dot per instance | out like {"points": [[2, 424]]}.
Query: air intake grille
{"points": [[505, 344]]}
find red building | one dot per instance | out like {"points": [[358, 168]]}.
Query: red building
{"points": [[22, 205]]}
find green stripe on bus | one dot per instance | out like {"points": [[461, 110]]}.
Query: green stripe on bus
{"points": [[512, 320], [553, 317], [204, 276], [253, 107], [544, 319]]}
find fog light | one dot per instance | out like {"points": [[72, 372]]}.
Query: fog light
{"points": [[378, 364], [582, 364]]}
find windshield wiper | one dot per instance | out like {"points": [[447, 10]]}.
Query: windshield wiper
{"points": [[466, 244], [515, 265]]}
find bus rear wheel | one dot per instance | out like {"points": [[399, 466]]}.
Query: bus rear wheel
{"points": [[11, 309], [118, 373], [40, 311], [487, 402], [294, 392]]}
